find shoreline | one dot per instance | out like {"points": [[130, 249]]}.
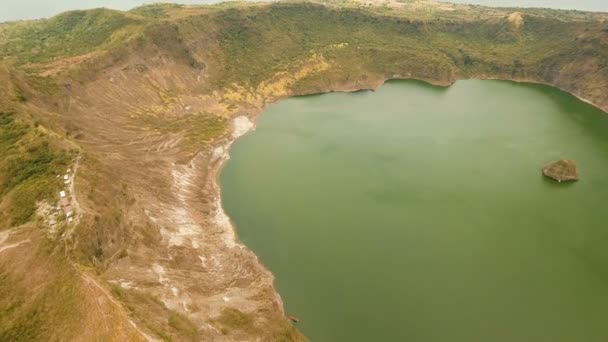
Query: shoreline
{"points": [[220, 154], [375, 85], [532, 81]]}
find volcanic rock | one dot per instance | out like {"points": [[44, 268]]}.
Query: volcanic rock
{"points": [[563, 170]]}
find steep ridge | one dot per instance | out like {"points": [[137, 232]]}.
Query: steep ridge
{"points": [[152, 102]]}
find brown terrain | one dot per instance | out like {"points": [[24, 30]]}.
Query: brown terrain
{"points": [[563, 170], [151, 255]]}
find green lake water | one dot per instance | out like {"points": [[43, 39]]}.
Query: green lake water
{"points": [[418, 213]]}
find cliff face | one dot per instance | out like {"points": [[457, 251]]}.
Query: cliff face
{"points": [[150, 100]]}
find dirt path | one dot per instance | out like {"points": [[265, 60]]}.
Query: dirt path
{"points": [[17, 244], [4, 235], [75, 204]]}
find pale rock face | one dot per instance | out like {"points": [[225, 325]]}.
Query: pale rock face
{"points": [[161, 273], [223, 221], [242, 125], [516, 19]]}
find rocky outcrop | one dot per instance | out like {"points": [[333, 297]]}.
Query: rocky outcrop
{"points": [[563, 170]]}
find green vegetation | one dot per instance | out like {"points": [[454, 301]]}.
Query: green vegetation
{"points": [[232, 319], [154, 10], [259, 42], [204, 129], [69, 34], [10, 132], [28, 170], [198, 129], [359, 40]]}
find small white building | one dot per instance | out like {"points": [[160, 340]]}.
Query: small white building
{"points": [[62, 194]]}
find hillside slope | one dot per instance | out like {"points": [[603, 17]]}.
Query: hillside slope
{"points": [[142, 106]]}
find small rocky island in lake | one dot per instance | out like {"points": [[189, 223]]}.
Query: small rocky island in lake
{"points": [[562, 171]]}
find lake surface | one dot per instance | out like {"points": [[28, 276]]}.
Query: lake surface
{"points": [[31, 9], [418, 213]]}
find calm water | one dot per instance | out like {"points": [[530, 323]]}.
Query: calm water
{"points": [[30, 9], [420, 214]]}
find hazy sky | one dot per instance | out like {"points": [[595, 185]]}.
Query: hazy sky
{"points": [[29, 9], [586, 5]]}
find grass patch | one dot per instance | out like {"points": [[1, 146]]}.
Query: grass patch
{"points": [[180, 323], [39, 298], [204, 128], [155, 316], [10, 132], [33, 162], [198, 129], [233, 319]]}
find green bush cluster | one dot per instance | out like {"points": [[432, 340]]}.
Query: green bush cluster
{"points": [[68, 34], [158, 10], [28, 170]]}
